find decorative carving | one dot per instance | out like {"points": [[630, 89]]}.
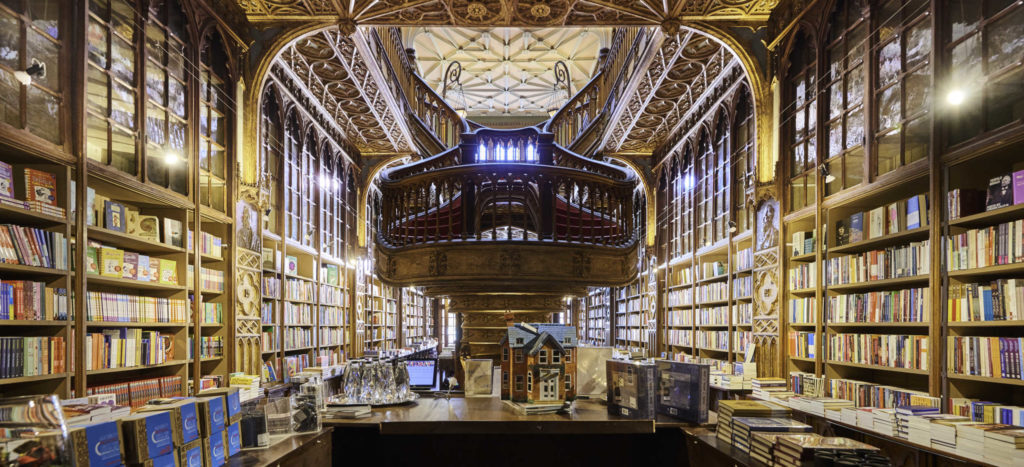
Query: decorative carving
{"points": [[510, 262], [767, 226], [581, 264], [766, 297], [438, 263]]}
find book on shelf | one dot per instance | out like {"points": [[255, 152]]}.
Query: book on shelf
{"points": [[32, 247], [168, 271], [172, 231], [31, 356], [867, 394], [115, 307], [883, 350], [876, 222], [30, 300], [41, 192], [291, 265], [127, 348], [890, 306], [114, 216], [148, 228], [6, 180], [130, 266], [112, 261], [1001, 299], [1000, 192], [993, 357], [137, 393], [856, 227], [990, 246], [1018, 187], [917, 209]]}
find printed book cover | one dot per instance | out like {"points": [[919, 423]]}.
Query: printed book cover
{"points": [[631, 389], [683, 390]]}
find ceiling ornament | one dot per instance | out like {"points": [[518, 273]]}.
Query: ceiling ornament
{"points": [[328, 68], [685, 74], [513, 13]]}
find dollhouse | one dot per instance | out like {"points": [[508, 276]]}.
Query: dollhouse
{"points": [[538, 363]]}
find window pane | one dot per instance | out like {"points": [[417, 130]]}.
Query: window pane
{"points": [[122, 18], [889, 63], [45, 16], [889, 108], [176, 92], [178, 178], [1006, 99], [917, 139], [812, 119], [10, 40], [888, 152], [122, 105], [799, 120], [963, 17], [10, 97], [43, 111], [835, 138], [1005, 40], [855, 129], [835, 100], [43, 49], [97, 42], [122, 60], [156, 167], [797, 194], [966, 61], [854, 167], [835, 168], [176, 133], [122, 153], [918, 89], [156, 130], [155, 43], [855, 87], [96, 139], [919, 43], [155, 80]]}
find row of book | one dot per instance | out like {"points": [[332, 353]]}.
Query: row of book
{"points": [[209, 346], [744, 259], [801, 344], [211, 280], [295, 338], [211, 313], [37, 187], [136, 393], [268, 341], [332, 336], [267, 313], [999, 300], [125, 218], [717, 340], [743, 287], [743, 314], [713, 292], [299, 289], [713, 316], [680, 297], [867, 394], [1003, 191], [990, 246], [113, 262], [803, 383], [994, 357], [331, 275], [890, 350], [890, 306], [127, 348], [903, 215], [333, 316], [115, 307], [986, 411], [803, 243], [271, 287], [891, 263], [330, 295], [803, 310], [209, 244], [675, 318], [31, 300], [32, 247], [712, 269], [802, 276], [298, 313], [32, 356], [680, 337], [681, 276]]}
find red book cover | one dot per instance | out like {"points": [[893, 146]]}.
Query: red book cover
{"points": [[40, 186]]}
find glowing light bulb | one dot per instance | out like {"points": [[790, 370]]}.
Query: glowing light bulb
{"points": [[956, 97], [171, 158]]}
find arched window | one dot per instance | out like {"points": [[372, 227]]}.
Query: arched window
{"points": [[721, 179], [705, 190], [684, 189], [166, 79], [110, 85], [800, 118], [30, 32], [743, 163], [272, 146], [214, 123], [331, 202], [292, 176], [902, 84], [844, 81], [308, 182]]}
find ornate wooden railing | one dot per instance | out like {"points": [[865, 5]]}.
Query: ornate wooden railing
{"points": [[506, 202], [421, 102]]}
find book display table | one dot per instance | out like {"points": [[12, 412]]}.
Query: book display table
{"points": [[304, 450]]}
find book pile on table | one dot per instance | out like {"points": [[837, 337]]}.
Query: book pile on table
{"points": [[970, 438], [813, 449], [943, 432], [744, 427], [727, 410], [1005, 447], [820, 406], [762, 446], [766, 388], [922, 429], [884, 421], [905, 413]]}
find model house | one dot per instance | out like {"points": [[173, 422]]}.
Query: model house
{"points": [[538, 363]]}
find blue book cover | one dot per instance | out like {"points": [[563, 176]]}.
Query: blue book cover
{"points": [[234, 440], [631, 389], [215, 445], [168, 460], [986, 300], [189, 422], [104, 441], [857, 227], [913, 213], [192, 457], [159, 434]]}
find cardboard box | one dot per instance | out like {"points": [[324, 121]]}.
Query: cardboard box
{"points": [[169, 460], [184, 419], [147, 436], [96, 444], [211, 415], [214, 450], [191, 454], [232, 401], [233, 439]]}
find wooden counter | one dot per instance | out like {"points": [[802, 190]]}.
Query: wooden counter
{"points": [[490, 416], [306, 450]]}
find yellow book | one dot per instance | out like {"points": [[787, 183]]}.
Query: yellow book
{"points": [[168, 271], [112, 261]]}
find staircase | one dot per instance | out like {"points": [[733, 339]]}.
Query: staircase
{"points": [[504, 222]]}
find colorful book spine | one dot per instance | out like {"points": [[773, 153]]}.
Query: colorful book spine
{"points": [[890, 306], [115, 307], [891, 263], [32, 356], [991, 246], [889, 350], [993, 357]]}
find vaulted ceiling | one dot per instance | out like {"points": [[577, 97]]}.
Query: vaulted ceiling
{"points": [[521, 13], [506, 71]]}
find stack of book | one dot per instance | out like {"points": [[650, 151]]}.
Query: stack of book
{"points": [[1005, 447], [820, 406], [919, 428], [812, 449], [970, 438], [905, 412], [762, 446], [943, 432], [744, 408], [765, 388], [885, 421], [744, 427]]}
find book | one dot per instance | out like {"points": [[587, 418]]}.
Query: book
{"points": [[168, 271], [876, 222], [683, 390], [6, 180], [92, 263], [856, 227], [842, 232], [269, 259], [149, 228], [1018, 187], [291, 264], [173, 232], [915, 216], [111, 261], [1000, 192], [631, 389], [143, 272], [40, 187], [130, 266], [131, 221], [114, 216]]}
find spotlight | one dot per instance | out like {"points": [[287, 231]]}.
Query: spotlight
{"points": [[37, 70], [956, 97], [171, 157], [461, 113], [732, 226], [829, 178]]}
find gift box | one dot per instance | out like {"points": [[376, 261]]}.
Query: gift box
{"points": [[184, 419], [232, 402], [96, 444], [213, 450], [147, 436], [191, 454], [233, 439], [211, 415]]}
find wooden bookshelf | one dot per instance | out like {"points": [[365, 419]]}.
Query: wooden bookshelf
{"points": [[598, 316], [415, 313]]}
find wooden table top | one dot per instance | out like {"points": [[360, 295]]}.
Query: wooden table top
{"points": [[277, 451], [490, 416]]}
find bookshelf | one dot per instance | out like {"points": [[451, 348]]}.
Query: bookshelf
{"points": [[380, 312], [598, 316], [416, 325], [634, 310]]}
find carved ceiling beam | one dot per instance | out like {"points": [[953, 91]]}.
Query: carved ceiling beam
{"points": [[399, 130], [286, 85]]}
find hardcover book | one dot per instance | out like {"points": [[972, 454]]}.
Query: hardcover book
{"points": [[856, 227], [96, 444], [40, 187], [149, 228], [291, 264], [6, 180], [114, 216], [876, 222], [92, 263], [1018, 186], [683, 390], [112, 260], [631, 389], [269, 259], [168, 271], [914, 214], [173, 232], [142, 272], [1000, 192], [130, 266], [842, 232], [131, 221]]}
